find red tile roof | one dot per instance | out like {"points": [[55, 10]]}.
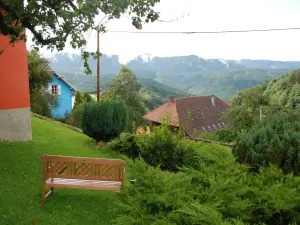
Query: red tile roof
{"points": [[204, 115]]}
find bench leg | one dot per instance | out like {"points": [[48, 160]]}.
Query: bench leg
{"points": [[46, 195]]}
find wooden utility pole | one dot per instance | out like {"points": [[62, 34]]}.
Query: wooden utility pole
{"points": [[98, 66]]}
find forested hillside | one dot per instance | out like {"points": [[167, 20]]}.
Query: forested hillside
{"points": [[281, 92], [190, 74], [153, 92], [279, 95]]}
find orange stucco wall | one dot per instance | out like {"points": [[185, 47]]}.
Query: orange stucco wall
{"points": [[14, 84]]}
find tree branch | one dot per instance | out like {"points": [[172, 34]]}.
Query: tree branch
{"points": [[72, 5]]}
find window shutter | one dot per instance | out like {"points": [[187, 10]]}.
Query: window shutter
{"points": [[50, 89], [59, 89]]}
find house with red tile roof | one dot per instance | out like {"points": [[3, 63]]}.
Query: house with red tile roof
{"points": [[195, 114]]}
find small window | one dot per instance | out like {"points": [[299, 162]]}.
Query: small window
{"points": [[54, 89]]}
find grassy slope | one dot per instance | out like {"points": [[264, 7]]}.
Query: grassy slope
{"points": [[21, 180]]}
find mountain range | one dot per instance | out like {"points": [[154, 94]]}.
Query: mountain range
{"points": [[178, 75]]}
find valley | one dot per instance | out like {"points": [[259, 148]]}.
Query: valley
{"points": [[178, 75]]}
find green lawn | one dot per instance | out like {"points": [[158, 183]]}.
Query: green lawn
{"points": [[21, 180]]}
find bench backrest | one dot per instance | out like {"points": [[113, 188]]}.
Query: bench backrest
{"points": [[83, 168]]}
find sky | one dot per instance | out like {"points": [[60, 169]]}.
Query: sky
{"points": [[208, 15]]}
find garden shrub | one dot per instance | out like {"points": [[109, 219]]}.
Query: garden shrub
{"points": [[75, 119], [159, 148], [79, 100], [126, 145], [105, 119], [275, 140], [87, 97], [164, 148], [221, 192], [225, 135], [43, 103], [207, 135]]}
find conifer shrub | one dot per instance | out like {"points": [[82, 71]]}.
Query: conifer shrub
{"points": [[220, 191], [275, 140], [104, 120]]}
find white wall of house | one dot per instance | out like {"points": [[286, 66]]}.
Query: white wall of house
{"points": [[73, 101]]}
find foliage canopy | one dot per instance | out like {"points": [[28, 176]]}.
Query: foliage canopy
{"points": [[126, 88], [39, 77], [55, 22]]}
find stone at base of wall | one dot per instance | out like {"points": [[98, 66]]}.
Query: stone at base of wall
{"points": [[15, 125]]}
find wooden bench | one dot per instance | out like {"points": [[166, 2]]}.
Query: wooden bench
{"points": [[82, 173]]}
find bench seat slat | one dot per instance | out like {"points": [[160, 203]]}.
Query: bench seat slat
{"points": [[86, 184]]}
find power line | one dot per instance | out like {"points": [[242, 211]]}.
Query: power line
{"points": [[201, 32]]}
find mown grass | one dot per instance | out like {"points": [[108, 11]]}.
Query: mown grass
{"points": [[21, 180]]}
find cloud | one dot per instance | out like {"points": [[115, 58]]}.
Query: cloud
{"points": [[209, 15]]}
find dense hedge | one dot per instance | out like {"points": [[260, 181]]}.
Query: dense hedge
{"points": [[105, 119]]}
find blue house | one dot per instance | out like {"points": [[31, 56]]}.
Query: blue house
{"points": [[65, 93]]}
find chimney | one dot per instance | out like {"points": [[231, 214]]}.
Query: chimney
{"points": [[172, 99], [213, 100]]}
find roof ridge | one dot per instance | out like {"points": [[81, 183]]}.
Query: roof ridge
{"points": [[177, 116], [205, 96], [194, 96], [223, 101], [156, 108], [61, 77]]}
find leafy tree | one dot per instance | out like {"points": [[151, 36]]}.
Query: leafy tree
{"points": [[274, 141], [75, 119], [293, 100], [42, 103], [295, 77], [280, 95], [55, 22], [125, 87], [39, 77], [245, 107], [105, 119], [78, 99], [87, 97]]}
